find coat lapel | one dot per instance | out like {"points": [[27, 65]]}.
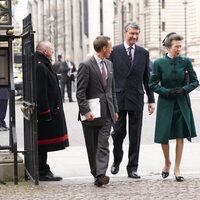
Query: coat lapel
{"points": [[136, 55], [97, 70], [124, 56], [108, 73], [135, 58]]}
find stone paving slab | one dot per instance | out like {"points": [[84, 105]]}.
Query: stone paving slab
{"points": [[73, 162], [119, 188]]}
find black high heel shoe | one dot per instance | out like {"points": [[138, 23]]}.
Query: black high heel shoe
{"points": [[165, 174], [179, 178]]}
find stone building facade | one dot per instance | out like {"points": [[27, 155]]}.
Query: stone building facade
{"points": [[71, 25], [125, 11], [157, 18], [164, 16]]}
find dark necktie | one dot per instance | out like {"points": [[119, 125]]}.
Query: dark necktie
{"points": [[130, 54], [103, 73]]}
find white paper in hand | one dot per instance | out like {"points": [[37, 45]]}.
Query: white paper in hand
{"points": [[95, 108]]}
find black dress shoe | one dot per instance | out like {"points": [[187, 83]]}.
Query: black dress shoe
{"points": [[101, 180], [114, 168], [165, 174], [133, 175], [179, 178], [50, 177]]}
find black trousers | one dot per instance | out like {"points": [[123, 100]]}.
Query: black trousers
{"points": [[67, 82], [43, 166], [3, 110], [134, 130]]}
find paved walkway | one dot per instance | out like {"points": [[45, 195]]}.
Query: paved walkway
{"points": [[72, 165], [148, 188]]}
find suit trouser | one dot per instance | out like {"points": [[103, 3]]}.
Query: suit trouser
{"points": [[3, 110], [68, 83], [96, 140], [43, 166], [135, 125]]}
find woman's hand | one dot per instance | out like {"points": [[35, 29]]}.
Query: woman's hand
{"points": [[178, 91]]}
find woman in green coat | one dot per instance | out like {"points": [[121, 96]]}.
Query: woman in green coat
{"points": [[174, 118]]}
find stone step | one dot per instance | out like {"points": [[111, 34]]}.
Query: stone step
{"points": [[7, 166]]}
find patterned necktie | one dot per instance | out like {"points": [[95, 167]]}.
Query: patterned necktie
{"points": [[103, 73], [130, 54]]}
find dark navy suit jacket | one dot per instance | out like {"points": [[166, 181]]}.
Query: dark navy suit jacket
{"points": [[131, 79]]}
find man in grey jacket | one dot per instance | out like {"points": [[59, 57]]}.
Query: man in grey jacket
{"points": [[95, 81]]}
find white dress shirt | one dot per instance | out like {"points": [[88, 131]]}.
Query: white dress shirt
{"points": [[100, 65], [127, 49]]}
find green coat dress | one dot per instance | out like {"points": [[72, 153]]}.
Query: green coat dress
{"points": [[174, 117]]}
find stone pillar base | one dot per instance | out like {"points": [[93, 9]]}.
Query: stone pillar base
{"points": [[7, 166]]}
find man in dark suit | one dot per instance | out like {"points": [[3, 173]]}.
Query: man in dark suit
{"points": [[95, 80], [57, 66], [67, 76], [131, 72]]}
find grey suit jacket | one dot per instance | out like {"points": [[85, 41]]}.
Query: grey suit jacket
{"points": [[90, 86]]}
